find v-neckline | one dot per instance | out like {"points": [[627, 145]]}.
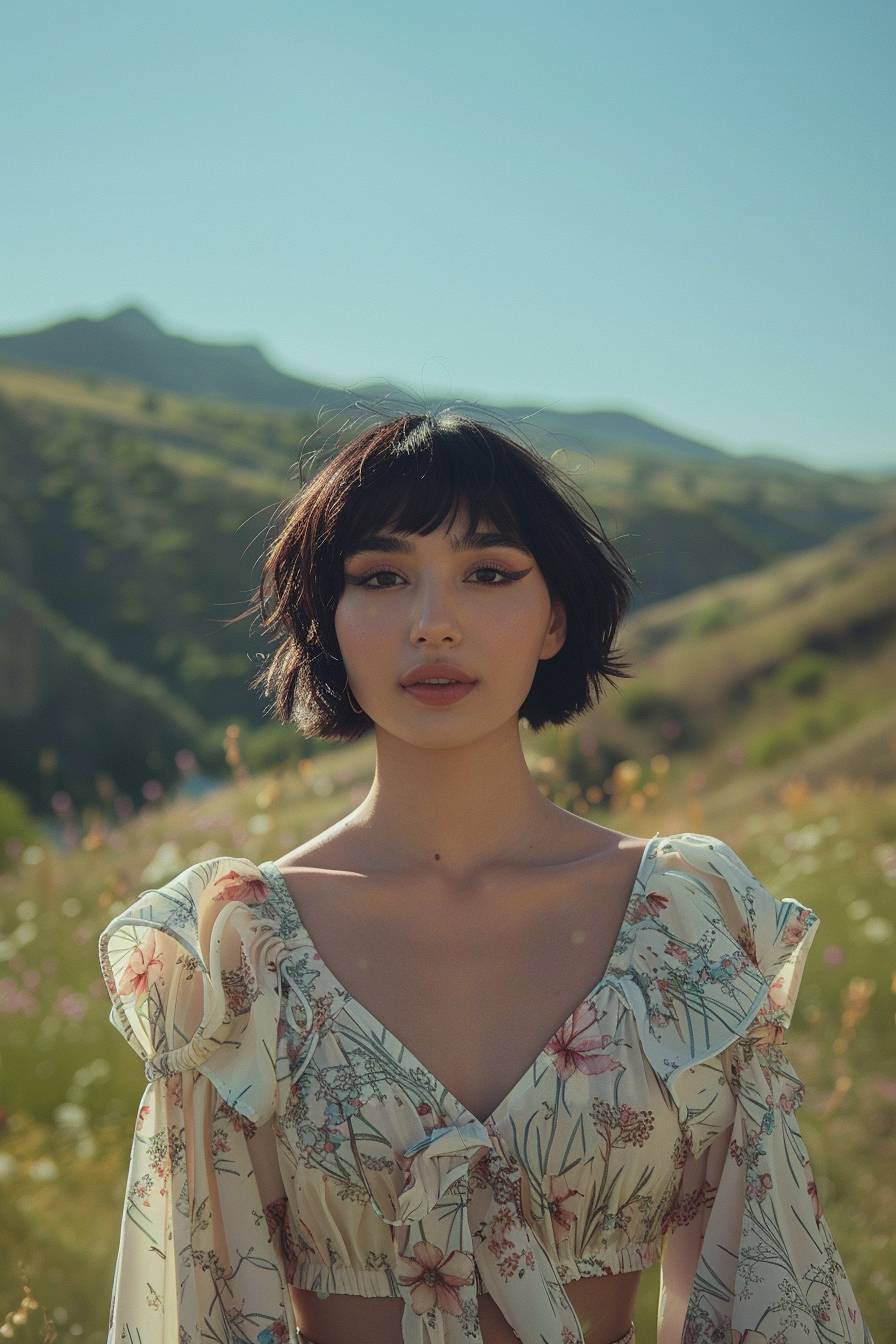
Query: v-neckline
{"points": [[277, 883]]}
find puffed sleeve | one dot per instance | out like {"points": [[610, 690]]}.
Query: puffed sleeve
{"points": [[748, 1256], [206, 1247]]}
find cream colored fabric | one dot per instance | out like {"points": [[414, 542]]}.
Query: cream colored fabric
{"points": [[286, 1136]]}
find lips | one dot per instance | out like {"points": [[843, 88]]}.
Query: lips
{"points": [[448, 694], [439, 671]]}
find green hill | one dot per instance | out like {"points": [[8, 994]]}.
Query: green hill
{"points": [[133, 526]]}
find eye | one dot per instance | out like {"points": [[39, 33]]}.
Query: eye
{"points": [[496, 569], [508, 576]]}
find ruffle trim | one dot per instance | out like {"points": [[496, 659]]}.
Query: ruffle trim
{"points": [[714, 952], [621, 1261], [193, 972], [327, 1280]]}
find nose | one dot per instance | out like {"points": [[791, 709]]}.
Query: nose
{"points": [[432, 618]]}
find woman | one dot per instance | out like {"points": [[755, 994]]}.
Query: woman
{"points": [[462, 1066]]}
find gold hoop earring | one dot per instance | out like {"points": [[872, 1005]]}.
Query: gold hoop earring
{"points": [[354, 704]]}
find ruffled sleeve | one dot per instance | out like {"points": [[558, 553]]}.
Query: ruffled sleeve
{"points": [[207, 1245], [748, 1256]]}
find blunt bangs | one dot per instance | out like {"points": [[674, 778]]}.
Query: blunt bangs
{"points": [[414, 490]]}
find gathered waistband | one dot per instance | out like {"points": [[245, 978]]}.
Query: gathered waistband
{"points": [[627, 1338]]}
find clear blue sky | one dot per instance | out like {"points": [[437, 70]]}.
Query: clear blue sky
{"points": [[685, 211]]}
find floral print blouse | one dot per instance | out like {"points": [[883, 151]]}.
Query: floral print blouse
{"points": [[285, 1136]]}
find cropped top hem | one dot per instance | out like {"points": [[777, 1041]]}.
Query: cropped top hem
{"points": [[328, 1281]]}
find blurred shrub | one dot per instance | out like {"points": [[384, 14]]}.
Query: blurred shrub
{"points": [[17, 827], [645, 702], [710, 617], [805, 726], [805, 674]]}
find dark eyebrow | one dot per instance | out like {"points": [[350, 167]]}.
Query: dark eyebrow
{"points": [[393, 544]]}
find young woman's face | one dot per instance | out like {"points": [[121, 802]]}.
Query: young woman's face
{"points": [[486, 610]]}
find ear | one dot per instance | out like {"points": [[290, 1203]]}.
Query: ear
{"points": [[555, 635]]}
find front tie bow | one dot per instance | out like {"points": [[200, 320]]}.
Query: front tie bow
{"points": [[427, 1197]]}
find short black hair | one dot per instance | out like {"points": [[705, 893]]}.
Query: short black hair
{"points": [[406, 475]]}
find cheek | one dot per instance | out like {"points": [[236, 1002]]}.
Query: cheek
{"points": [[520, 623], [359, 620]]}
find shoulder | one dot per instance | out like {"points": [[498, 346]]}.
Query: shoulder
{"points": [[188, 912], [728, 894], [711, 950], [208, 884], [195, 963], [576, 837]]}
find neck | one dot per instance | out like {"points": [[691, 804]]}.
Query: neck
{"points": [[455, 811]]}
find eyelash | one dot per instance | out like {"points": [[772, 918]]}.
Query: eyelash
{"points": [[511, 577]]}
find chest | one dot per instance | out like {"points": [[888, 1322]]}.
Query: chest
{"points": [[474, 989]]}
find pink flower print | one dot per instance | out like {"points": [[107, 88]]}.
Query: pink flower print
{"points": [[650, 904], [144, 967], [280, 1331], [676, 950], [561, 1219], [235, 886], [434, 1278], [576, 1052], [777, 1001], [798, 927], [812, 1189], [277, 1333]]}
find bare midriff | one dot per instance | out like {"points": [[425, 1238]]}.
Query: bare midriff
{"points": [[605, 1307]]}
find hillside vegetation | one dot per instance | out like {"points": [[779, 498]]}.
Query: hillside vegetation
{"points": [[133, 526]]}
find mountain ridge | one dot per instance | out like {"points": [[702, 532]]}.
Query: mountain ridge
{"points": [[129, 343]]}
